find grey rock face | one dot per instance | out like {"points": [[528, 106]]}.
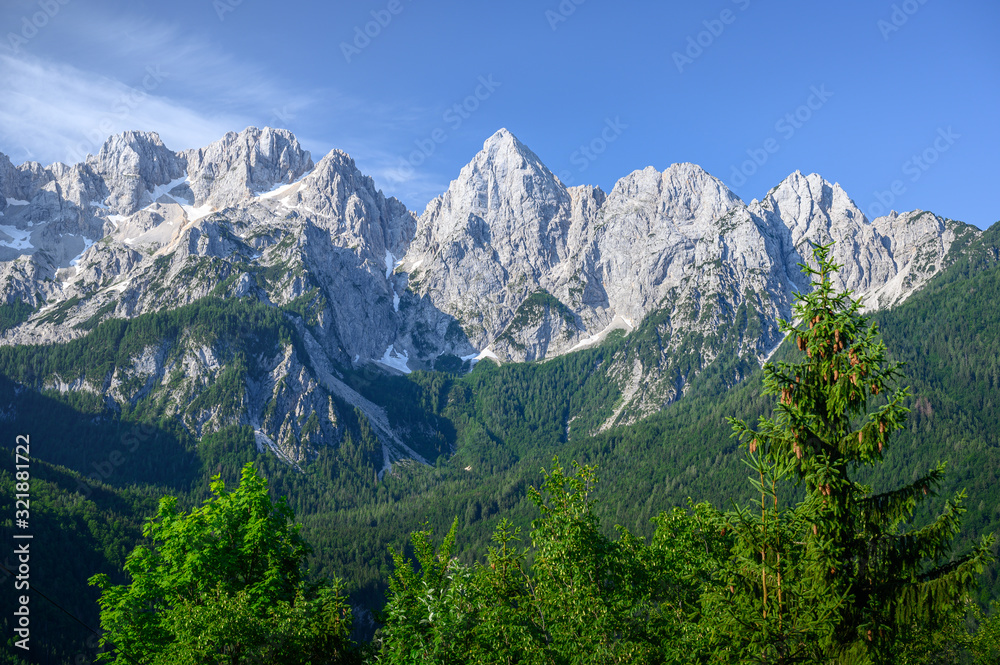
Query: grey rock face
{"points": [[651, 225], [879, 258], [507, 229], [492, 239], [249, 215], [239, 166], [131, 165]]}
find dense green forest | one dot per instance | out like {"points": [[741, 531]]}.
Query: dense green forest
{"points": [[492, 430]]}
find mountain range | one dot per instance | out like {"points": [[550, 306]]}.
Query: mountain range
{"points": [[508, 264]]}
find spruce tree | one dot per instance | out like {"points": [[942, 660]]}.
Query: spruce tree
{"points": [[869, 576]]}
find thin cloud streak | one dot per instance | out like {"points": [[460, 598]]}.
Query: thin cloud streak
{"points": [[61, 113]]}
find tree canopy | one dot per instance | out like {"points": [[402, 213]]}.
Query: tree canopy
{"points": [[222, 584]]}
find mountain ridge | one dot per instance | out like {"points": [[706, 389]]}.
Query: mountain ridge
{"points": [[507, 263]]}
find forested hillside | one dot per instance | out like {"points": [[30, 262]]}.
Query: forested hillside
{"points": [[491, 432]]}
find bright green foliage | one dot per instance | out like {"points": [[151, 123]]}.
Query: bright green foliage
{"points": [[504, 422], [588, 591], [846, 545], [585, 598], [427, 614], [985, 643], [764, 606], [685, 569], [227, 629], [222, 584]]}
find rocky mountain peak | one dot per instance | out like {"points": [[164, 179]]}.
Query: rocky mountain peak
{"points": [[139, 153], [684, 195], [131, 164], [507, 263], [338, 169], [504, 198], [8, 181], [506, 162], [346, 202], [810, 203], [503, 142], [238, 166]]}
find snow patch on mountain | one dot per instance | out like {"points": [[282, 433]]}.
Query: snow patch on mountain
{"points": [[395, 360], [19, 238]]}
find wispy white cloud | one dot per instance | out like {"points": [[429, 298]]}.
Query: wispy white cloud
{"points": [[135, 74], [56, 112], [200, 70]]}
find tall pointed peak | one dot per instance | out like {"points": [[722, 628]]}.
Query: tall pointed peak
{"points": [[502, 166], [504, 147], [502, 135], [505, 185]]}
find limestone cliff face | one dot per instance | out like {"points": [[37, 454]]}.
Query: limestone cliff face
{"points": [[884, 260], [508, 263], [507, 231], [494, 238]]}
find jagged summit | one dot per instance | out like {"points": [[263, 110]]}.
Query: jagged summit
{"points": [[505, 199], [684, 193], [131, 164], [812, 207], [241, 165], [502, 161], [503, 145]]}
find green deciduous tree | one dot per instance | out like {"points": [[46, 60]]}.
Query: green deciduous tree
{"points": [[869, 581], [585, 598], [223, 584]]}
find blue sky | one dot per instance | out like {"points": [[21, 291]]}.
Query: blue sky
{"points": [[897, 100]]}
